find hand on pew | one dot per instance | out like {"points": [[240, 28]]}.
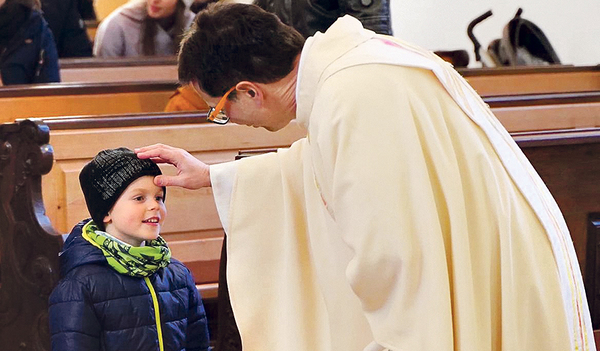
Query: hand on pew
{"points": [[191, 172]]}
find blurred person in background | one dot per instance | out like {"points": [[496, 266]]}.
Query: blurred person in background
{"points": [[27, 49], [65, 21], [311, 16], [143, 28]]}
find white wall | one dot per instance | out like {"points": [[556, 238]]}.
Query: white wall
{"points": [[572, 26]]}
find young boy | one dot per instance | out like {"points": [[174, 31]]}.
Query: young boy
{"points": [[120, 289]]}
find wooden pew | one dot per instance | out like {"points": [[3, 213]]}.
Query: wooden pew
{"points": [[573, 185], [74, 99], [119, 98], [487, 81], [530, 112], [532, 80], [192, 214], [119, 69]]}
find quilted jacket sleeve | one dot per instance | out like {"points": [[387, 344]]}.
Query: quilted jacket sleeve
{"points": [[197, 331], [73, 323]]}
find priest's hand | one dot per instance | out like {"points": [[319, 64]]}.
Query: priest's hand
{"points": [[191, 172]]}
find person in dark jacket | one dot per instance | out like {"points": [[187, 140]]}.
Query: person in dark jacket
{"points": [[86, 9], [27, 49], [120, 289], [311, 16], [68, 28]]}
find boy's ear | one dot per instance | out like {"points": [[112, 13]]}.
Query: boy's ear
{"points": [[107, 219]]}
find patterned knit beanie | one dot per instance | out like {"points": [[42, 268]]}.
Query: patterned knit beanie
{"points": [[107, 175]]}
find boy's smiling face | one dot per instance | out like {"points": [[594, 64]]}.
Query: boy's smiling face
{"points": [[138, 214]]}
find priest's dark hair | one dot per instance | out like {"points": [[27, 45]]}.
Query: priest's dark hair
{"points": [[229, 43]]}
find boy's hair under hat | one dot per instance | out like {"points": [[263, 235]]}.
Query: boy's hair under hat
{"points": [[107, 175]]}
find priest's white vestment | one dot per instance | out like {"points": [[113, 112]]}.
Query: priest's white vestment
{"points": [[408, 219]]}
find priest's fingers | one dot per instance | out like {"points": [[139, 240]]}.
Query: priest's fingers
{"points": [[183, 181], [191, 172], [161, 153]]}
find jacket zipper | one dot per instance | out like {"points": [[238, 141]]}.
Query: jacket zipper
{"points": [[156, 313]]}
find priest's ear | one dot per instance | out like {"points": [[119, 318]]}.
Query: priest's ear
{"points": [[249, 89]]}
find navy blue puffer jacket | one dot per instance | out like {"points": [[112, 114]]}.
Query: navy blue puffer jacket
{"points": [[95, 308]]}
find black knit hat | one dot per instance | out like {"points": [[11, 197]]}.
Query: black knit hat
{"points": [[107, 175]]}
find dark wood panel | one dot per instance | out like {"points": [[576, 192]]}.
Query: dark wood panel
{"points": [[29, 245]]}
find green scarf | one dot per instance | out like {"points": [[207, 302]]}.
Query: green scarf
{"points": [[126, 259]]}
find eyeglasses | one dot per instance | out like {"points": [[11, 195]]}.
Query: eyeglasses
{"points": [[217, 114]]}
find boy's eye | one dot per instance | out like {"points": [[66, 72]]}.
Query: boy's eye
{"points": [[138, 198], [160, 198]]}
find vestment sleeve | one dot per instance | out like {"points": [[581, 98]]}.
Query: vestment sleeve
{"points": [[375, 182], [73, 323], [222, 177]]}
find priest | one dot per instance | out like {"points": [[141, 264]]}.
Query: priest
{"points": [[407, 219]]}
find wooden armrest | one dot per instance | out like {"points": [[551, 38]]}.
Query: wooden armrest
{"points": [[208, 291]]}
